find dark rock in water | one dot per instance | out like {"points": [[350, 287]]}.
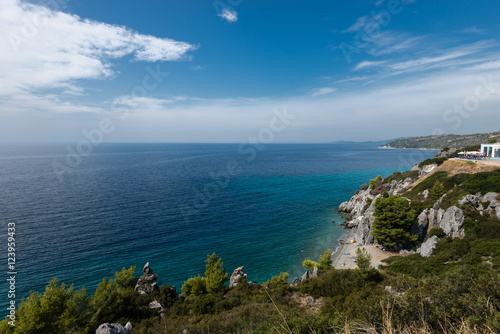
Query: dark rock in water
{"points": [[295, 281], [315, 273], [305, 276], [310, 300], [114, 329], [146, 284], [237, 277]]}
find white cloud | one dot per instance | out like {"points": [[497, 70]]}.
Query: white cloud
{"points": [[230, 16], [44, 48], [324, 91], [367, 64]]}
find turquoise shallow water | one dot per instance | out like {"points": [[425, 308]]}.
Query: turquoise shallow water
{"points": [[171, 205]]}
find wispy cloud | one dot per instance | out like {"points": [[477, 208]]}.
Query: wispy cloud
{"points": [[229, 15], [65, 48], [367, 64], [473, 30], [324, 91]]}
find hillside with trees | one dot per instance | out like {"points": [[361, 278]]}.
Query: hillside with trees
{"points": [[439, 142]]}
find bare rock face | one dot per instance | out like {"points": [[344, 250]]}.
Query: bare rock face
{"points": [[452, 222], [305, 276], [114, 329], [470, 199], [427, 247], [237, 276], [146, 284], [420, 226], [315, 273], [295, 282]]}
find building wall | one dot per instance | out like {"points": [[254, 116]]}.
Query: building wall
{"points": [[493, 150]]}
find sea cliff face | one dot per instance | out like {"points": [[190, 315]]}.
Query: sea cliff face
{"points": [[361, 207]]}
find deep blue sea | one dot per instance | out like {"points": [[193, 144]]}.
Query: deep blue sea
{"points": [[172, 204]]}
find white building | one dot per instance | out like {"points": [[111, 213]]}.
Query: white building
{"points": [[491, 150]]}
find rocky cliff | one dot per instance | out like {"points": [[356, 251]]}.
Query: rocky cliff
{"points": [[360, 210]]}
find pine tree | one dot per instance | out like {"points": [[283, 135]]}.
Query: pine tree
{"points": [[394, 217], [437, 190]]}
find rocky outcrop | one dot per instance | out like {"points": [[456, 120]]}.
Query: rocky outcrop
{"points": [[305, 276], [295, 281], [452, 222], [421, 225], [427, 247], [157, 306], [315, 273], [238, 276], [114, 329], [146, 284]]}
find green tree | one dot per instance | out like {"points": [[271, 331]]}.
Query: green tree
{"points": [[325, 262], [58, 310], [394, 217], [363, 259], [437, 190], [492, 141], [216, 274], [214, 281]]}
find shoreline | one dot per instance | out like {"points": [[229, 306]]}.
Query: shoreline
{"points": [[409, 148]]}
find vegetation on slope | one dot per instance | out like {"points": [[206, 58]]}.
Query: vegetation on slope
{"points": [[447, 140]]}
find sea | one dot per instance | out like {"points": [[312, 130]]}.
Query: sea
{"points": [[82, 213]]}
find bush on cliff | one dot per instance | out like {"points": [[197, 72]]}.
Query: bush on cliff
{"points": [[394, 217], [325, 262]]}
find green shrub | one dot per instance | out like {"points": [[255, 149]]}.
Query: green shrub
{"points": [[375, 182], [438, 161], [279, 283], [436, 232], [398, 176], [325, 262], [363, 260]]}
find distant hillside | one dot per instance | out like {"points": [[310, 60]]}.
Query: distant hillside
{"points": [[442, 141]]}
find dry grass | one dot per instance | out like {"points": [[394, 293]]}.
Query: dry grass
{"points": [[456, 166]]}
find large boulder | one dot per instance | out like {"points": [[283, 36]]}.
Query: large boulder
{"points": [[237, 276], [427, 247], [489, 197], [114, 329], [146, 284], [452, 222]]}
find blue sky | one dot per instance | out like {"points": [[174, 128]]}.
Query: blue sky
{"points": [[219, 71]]}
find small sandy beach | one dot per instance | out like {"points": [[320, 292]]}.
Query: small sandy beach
{"points": [[344, 257]]}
